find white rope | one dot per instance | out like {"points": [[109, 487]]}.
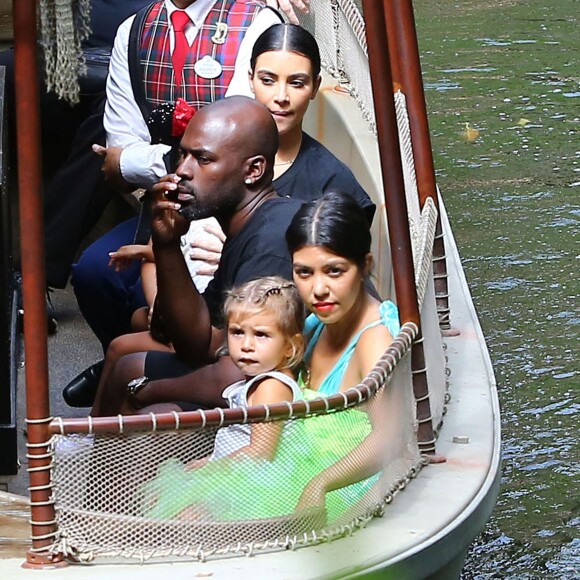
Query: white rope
{"points": [[64, 24]]}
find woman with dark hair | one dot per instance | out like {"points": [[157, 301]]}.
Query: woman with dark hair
{"points": [[285, 77], [349, 329]]}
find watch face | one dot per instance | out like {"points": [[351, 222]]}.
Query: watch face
{"points": [[138, 382]]}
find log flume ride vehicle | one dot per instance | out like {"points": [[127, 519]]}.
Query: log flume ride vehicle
{"points": [[418, 514]]}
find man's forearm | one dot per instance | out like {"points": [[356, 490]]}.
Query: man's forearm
{"points": [[203, 386], [184, 311]]}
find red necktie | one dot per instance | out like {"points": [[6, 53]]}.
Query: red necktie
{"points": [[180, 20]]}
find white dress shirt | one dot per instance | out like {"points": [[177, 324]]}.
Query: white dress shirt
{"points": [[142, 163]]}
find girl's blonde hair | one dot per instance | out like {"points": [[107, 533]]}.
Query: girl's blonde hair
{"points": [[275, 295]]}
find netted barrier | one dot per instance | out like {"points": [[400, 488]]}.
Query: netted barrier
{"points": [[64, 24], [422, 227], [339, 28], [151, 487]]}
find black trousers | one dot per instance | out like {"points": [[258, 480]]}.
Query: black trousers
{"points": [[75, 194], [75, 199]]}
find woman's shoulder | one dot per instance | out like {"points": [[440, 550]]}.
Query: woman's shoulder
{"points": [[379, 333], [371, 346], [316, 151], [373, 334]]}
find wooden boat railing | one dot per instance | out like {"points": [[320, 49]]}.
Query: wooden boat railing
{"points": [[406, 72]]}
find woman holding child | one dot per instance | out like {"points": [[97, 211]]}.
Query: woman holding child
{"points": [[331, 460]]}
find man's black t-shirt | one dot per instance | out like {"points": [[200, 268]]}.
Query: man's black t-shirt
{"points": [[258, 250]]}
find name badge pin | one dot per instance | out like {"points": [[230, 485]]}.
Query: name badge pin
{"points": [[220, 34], [207, 67]]}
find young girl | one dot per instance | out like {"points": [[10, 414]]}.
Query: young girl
{"points": [[264, 340]]}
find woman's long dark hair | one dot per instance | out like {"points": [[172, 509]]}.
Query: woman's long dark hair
{"points": [[290, 37], [334, 221]]}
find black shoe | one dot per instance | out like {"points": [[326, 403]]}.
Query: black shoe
{"points": [[51, 321], [81, 391]]}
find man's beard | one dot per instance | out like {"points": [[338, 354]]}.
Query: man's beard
{"points": [[195, 211], [191, 212]]}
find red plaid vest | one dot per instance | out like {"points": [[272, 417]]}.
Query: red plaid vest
{"points": [[155, 55]]}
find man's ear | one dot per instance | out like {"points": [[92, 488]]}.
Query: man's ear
{"points": [[255, 168]]}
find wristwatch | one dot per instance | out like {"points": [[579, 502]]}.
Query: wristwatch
{"points": [[134, 386]]}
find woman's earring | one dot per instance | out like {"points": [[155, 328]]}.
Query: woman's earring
{"points": [[248, 181]]}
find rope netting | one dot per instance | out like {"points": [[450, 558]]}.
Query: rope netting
{"points": [[64, 24], [339, 28], [182, 492]]}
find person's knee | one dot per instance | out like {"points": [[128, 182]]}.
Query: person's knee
{"points": [[116, 350], [91, 270], [127, 367], [125, 344], [140, 319]]}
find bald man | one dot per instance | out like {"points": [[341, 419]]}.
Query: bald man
{"points": [[225, 171]]}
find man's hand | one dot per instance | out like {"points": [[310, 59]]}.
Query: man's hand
{"points": [[208, 251], [287, 6], [167, 225], [112, 167]]}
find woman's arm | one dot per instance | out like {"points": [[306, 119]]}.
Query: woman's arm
{"points": [[369, 456]]}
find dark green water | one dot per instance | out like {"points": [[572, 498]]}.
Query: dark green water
{"points": [[511, 70]]}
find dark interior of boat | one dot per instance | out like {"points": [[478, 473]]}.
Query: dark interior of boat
{"points": [[8, 312]]}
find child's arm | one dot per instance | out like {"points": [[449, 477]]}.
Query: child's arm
{"points": [[264, 437], [149, 282], [125, 255]]}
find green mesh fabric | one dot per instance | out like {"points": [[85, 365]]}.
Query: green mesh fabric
{"points": [[246, 488]]}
